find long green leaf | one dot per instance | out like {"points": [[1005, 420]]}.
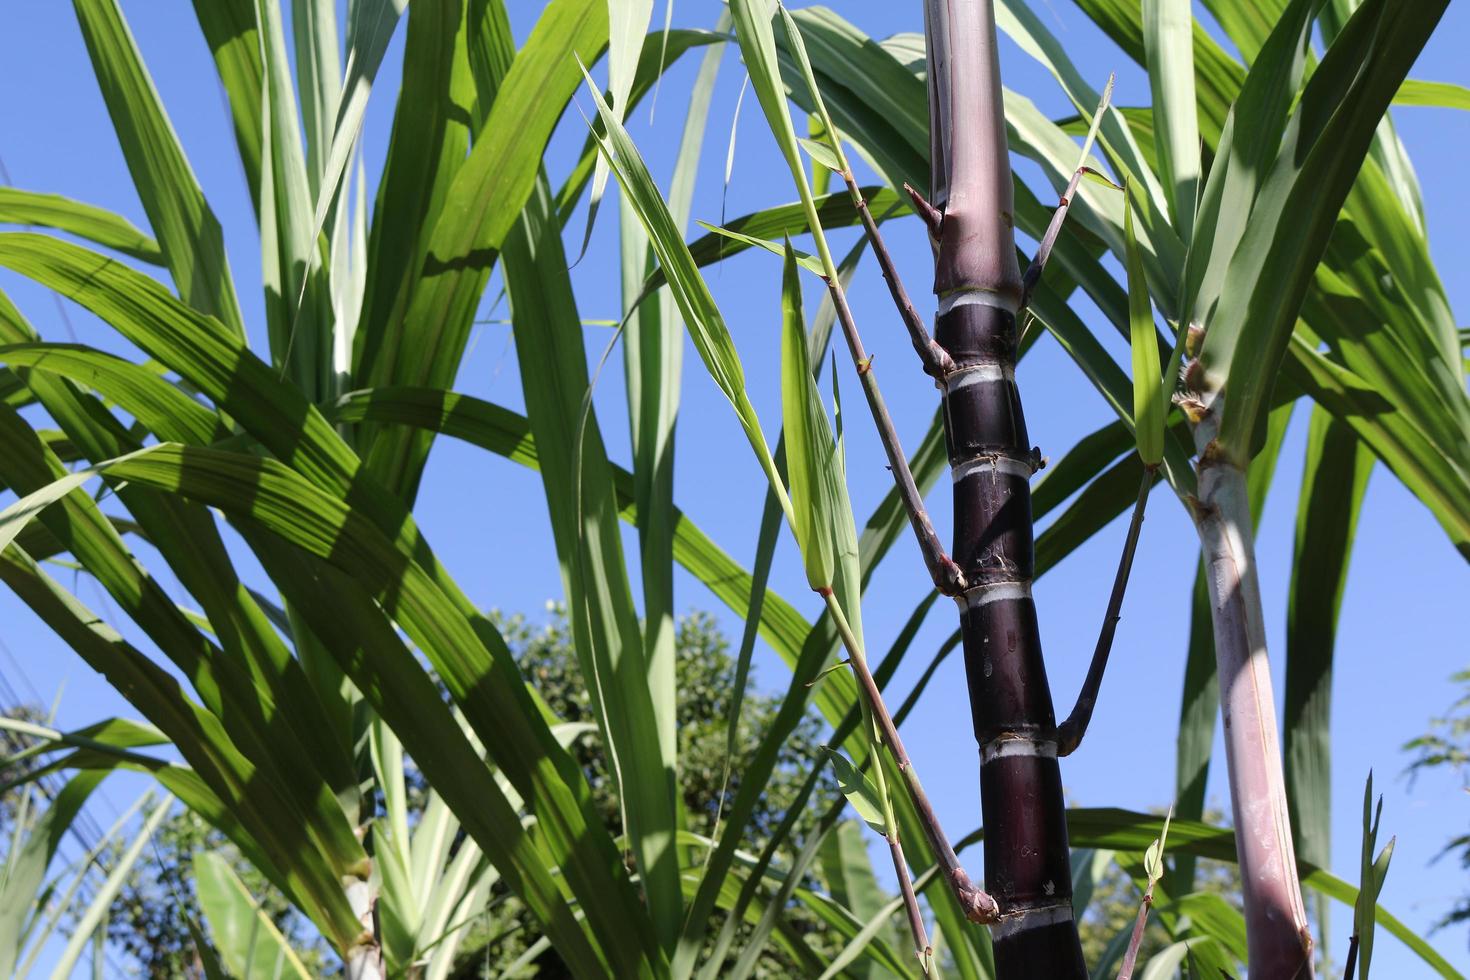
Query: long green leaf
{"points": [[809, 447], [485, 683], [1294, 213], [1149, 405], [18, 207], [230, 29], [1123, 830], [653, 357], [370, 28], [186, 228], [697, 307], [1444, 95], [1334, 481], [427, 146], [430, 322], [249, 943], [296, 301], [1167, 41], [583, 508]]}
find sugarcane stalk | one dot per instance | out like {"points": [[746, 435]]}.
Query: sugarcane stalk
{"points": [[979, 284], [1279, 939], [364, 961]]}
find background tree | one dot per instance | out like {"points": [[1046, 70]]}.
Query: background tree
{"points": [[1445, 749]]}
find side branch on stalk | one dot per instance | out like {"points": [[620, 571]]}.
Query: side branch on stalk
{"points": [[936, 360], [1070, 732], [1054, 227], [947, 576]]}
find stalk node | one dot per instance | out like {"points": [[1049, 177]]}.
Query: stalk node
{"points": [[1194, 339], [979, 906], [1193, 374], [1194, 409]]}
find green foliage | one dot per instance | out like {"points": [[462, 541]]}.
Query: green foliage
{"points": [[577, 780], [152, 917]]}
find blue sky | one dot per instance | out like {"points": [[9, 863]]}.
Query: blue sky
{"points": [[1401, 633]]}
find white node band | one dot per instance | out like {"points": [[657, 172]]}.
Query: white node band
{"points": [[1004, 465], [1026, 919], [978, 297], [984, 595], [1018, 748], [977, 374]]}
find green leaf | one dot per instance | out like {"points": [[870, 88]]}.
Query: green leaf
{"points": [[859, 789], [1445, 95], [849, 876], [653, 362], [50, 910], [660, 50], [1167, 40], [499, 708], [1373, 871], [161, 407], [1248, 143], [806, 260], [508, 434], [186, 228], [696, 305], [230, 29], [249, 943], [258, 676], [18, 207], [1149, 405], [370, 28], [427, 147], [786, 220], [430, 324], [1125, 831], [1153, 858], [1334, 480], [821, 153], [627, 23], [1293, 216], [297, 302], [809, 448], [282, 851], [577, 480]]}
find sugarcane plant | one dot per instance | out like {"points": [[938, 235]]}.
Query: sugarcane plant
{"points": [[292, 702], [1226, 229]]}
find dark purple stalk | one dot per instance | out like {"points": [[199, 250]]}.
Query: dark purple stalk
{"points": [[1350, 967], [1027, 864]]}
